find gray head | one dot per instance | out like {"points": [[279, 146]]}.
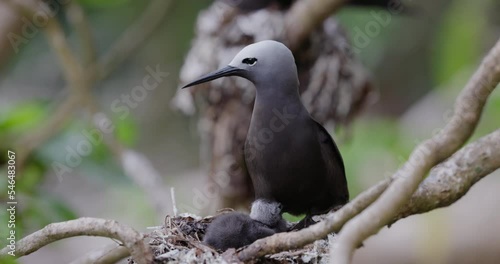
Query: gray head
{"points": [[266, 212], [268, 64]]}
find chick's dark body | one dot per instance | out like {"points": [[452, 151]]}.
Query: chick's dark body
{"points": [[292, 159], [235, 230]]}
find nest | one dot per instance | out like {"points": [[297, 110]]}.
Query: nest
{"points": [[179, 241]]}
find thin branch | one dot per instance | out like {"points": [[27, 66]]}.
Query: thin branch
{"points": [[110, 254], [133, 37], [131, 239], [452, 179], [78, 19], [73, 71], [80, 80], [11, 26], [174, 203], [63, 112], [467, 112], [135, 166], [305, 16], [141, 31]]}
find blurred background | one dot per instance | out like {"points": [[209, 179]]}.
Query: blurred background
{"points": [[417, 65]]}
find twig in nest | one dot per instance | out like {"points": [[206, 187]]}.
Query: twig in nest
{"points": [[174, 204]]}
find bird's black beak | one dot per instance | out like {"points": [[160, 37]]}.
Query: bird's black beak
{"points": [[226, 71]]}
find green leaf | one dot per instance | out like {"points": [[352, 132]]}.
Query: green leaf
{"points": [[292, 218], [126, 131], [22, 117]]}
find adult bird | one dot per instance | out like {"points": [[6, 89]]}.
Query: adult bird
{"points": [[290, 157]]}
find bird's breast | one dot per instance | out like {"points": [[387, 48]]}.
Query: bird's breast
{"points": [[283, 157]]}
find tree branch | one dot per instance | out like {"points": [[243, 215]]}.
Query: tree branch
{"points": [[460, 172], [467, 112], [76, 16], [452, 179], [120, 50], [131, 239], [133, 37], [63, 112], [305, 16], [134, 165], [81, 77]]}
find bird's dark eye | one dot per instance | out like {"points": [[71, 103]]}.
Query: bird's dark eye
{"points": [[250, 61]]}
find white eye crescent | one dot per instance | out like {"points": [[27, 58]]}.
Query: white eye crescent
{"points": [[250, 61]]}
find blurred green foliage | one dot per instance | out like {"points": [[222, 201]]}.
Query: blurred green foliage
{"points": [[26, 116], [458, 41], [37, 207], [8, 260], [356, 20], [377, 145]]}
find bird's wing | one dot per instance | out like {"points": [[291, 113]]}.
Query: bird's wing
{"points": [[335, 164]]}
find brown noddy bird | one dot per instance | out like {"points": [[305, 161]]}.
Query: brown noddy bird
{"points": [[290, 157]]}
